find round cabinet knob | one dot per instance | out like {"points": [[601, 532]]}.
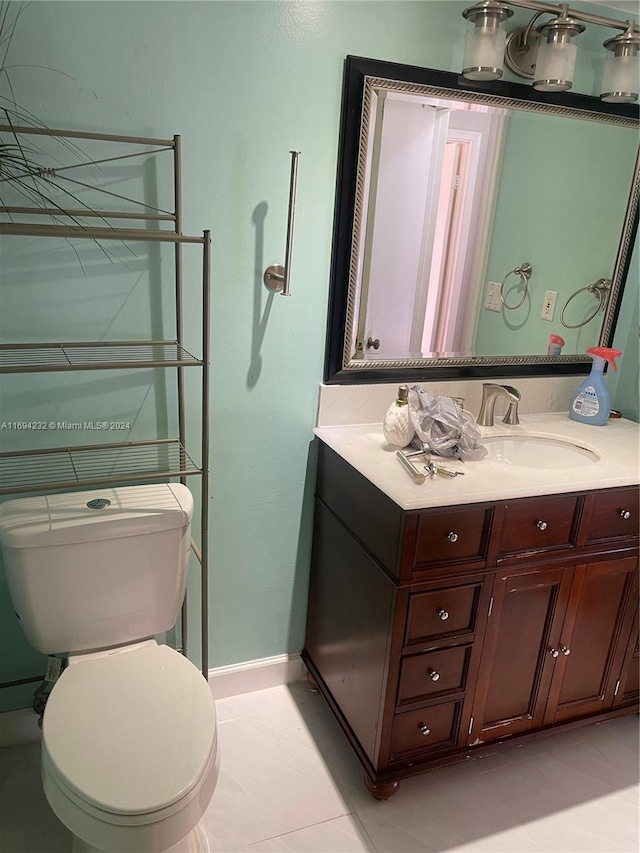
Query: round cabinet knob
{"points": [[565, 651], [452, 537], [541, 525], [624, 513], [425, 729], [433, 675], [443, 614], [554, 653]]}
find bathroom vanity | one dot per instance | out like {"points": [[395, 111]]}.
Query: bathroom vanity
{"points": [[453, 619]]}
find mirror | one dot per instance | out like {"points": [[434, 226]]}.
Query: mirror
{"points": [[464, 212]]}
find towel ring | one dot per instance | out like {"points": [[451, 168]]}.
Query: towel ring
{"points": [[600, 290], [524, 271]]}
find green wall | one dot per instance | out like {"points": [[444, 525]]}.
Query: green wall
{"points": [[561, 201], [243, 83]]}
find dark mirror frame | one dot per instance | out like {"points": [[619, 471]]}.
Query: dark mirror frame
{"points": [[472, 367]]}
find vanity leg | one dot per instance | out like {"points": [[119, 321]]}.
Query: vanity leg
{"points": [[381, 790], [312, 681]]}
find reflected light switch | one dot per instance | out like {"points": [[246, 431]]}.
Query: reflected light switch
{"points": [[493, 301], [549, 304]]}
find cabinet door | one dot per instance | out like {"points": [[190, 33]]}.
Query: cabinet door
{"points": [[517, 665], [594, 639]]}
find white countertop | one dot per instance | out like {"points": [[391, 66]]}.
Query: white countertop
{"points": [[364, 447]]}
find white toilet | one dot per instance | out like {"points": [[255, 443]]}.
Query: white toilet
{"points": [[129, 747]]}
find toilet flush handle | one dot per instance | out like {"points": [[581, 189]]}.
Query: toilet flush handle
{"points": [[99, 503]]}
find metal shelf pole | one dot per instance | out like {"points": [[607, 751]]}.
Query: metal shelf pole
{"points": [[177, 213], [206, 358]]}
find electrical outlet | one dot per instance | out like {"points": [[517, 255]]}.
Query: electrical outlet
{"points": [[493, 301], [549, 304]]}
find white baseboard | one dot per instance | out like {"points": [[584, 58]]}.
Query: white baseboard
{"points": [[18, 727], [22, 726], [255, 675]]}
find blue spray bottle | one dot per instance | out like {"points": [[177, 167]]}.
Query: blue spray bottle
{"points": [[591, 403]]}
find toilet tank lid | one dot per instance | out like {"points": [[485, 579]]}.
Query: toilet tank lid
{"points": [[96, 515]]}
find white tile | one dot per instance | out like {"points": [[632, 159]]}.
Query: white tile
{"points": [[604, 825], [27, 824], [340, 835], [436, 811], [587, 762], [546, 798], [275, 700], [339, 757], [18, 727], [289, 781], [271, 782], [510, 841], [618, 742]]}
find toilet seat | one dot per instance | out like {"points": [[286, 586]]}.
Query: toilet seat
{"points": [[134, 820], [130, 734], [93, 831]]}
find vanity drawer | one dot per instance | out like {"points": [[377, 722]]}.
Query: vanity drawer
{"points": [[433, 673], [538, 524], [457, 535], [430, 728], [439, 613], [613, 514]]}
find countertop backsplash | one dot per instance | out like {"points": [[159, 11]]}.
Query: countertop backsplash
{"points": [[342, 405]]}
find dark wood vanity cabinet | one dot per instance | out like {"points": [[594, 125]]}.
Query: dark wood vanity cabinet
{"points": [[629, 689], [443, 634]]}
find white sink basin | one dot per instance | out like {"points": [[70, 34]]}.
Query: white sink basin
{"points": [[538, 451]]}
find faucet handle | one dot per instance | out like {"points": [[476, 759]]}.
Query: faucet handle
{"points": [[512, 392], [514, 397]]}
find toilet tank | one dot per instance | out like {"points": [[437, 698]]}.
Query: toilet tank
{"points": [[91, 570]]}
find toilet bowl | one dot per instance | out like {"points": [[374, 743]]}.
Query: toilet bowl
{"points": [[129, 746], [129, 749]]}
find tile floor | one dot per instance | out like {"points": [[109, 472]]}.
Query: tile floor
{"points": [[289, 782]]}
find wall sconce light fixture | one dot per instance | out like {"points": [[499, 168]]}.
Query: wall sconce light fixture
{"points": [[546, 53], [556, 59], [484, 40], [621, 72]]}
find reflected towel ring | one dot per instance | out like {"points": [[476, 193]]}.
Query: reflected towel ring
{"points": [[600, 290], [524, 271]]}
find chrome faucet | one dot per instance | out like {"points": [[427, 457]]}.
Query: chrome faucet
{"points": [[490, 393]]}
